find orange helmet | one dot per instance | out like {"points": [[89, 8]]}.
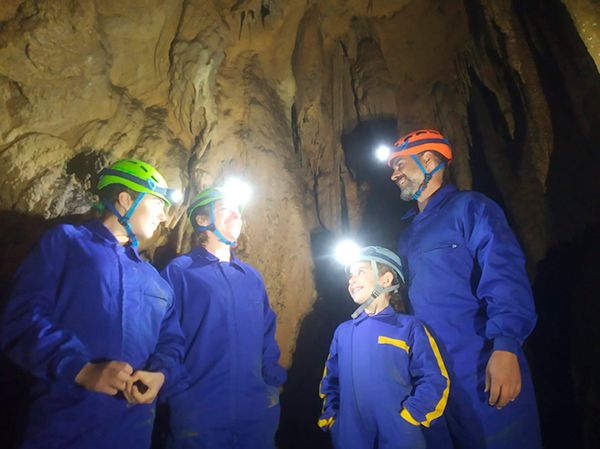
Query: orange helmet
{"points": [[420, 141]]}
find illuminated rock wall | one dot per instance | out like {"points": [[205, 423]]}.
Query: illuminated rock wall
{"points": [[263, 89]]}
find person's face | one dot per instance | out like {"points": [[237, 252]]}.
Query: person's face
{"points": [[361, 282], [407, 176], [149, 213], [228, 219]]}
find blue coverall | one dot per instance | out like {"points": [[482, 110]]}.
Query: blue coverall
{"points": [[384, 379], [231, 355], [81, 297], [467, 283]]}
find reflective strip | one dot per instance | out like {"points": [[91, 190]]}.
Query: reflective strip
{"points": [[321, 395], [125, 175], [441, 405], [408, 417], [326, 423], [382, 340]]}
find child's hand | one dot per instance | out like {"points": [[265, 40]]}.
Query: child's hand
{"points": [[502, 378], [106, 377], [143, 386]]}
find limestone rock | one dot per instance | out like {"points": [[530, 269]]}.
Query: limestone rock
{"points": [[586, 16], [265, 89]]}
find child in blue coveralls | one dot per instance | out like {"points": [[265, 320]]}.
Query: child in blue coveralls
{"points": [[231, 354], [94, 323], [384, 377]]}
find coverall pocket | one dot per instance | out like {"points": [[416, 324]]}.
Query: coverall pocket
{"points": [[156, 305], [160, 299], [155, 293], [155, 296], [153, 312], [446, 246]]}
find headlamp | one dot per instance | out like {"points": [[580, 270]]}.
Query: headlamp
{"points": [[174, 195], [236, 191], [382, 152], [347, 252]]}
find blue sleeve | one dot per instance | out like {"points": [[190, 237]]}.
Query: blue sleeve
{"points": [[172, 274], [168, 355], [431, 383], [329, 388], [503, 282], [29, 335], [273, 373]]}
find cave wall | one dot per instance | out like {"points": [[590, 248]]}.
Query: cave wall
{"points": [[266, 88], [204, 90], [586, 18]]}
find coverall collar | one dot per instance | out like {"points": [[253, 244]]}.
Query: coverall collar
{"points": [[201, 253], [97, 228], [436, 199], [387, 312]]}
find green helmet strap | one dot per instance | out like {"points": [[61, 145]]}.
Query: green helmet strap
{"points": [[212, 227], [137, 176], [124, 219], [209, 196]]}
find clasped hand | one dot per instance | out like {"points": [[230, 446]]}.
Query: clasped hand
{"points": [[139, 387]]}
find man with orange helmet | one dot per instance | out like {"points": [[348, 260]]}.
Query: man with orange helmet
{"points": [[467, 282]]}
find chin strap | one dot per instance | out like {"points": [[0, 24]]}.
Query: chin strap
{"points": [[124, 219], [427, 177], [377, 291], [211, 227]]}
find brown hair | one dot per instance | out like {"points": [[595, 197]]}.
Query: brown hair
{"points": [[110, 194], [200, 237], [398, 299], [441, 159]]}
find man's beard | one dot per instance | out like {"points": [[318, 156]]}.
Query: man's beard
{"points": [[409, 188]]}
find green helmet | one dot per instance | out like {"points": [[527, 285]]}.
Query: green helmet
{"points": [[203, 198], [139, 177], [209, 197]]}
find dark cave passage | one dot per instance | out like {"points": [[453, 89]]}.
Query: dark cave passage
{"points": [[379, 225], [300, 401], [560, 351], [383, 209]]}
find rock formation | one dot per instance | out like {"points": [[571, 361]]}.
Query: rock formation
{"points": [[266, 89]]}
